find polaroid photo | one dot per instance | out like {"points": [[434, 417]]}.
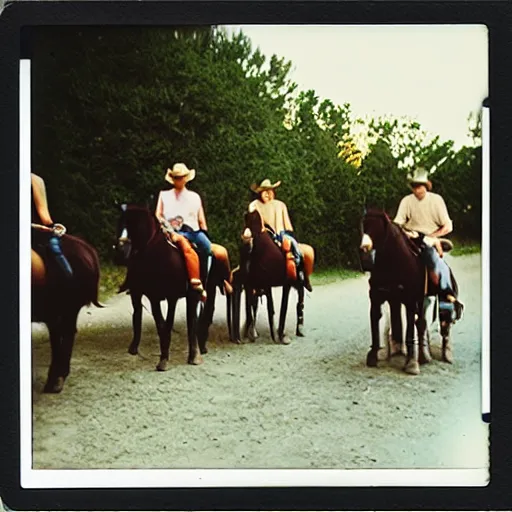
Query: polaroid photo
{"points": [[258, 255]]}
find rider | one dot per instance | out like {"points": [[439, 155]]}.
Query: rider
{"points": [[275, 214], [45, 233], [424, 214], [181, 211]]}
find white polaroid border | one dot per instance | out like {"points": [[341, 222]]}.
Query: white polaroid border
{"points": [[194, 478]]}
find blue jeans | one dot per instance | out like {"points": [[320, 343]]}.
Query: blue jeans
{"points": [[295, 246], [436, 263], [198, 238]]}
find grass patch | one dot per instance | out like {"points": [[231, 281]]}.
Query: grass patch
{"points": [[333, 275], [111, 278], [465, 248]]}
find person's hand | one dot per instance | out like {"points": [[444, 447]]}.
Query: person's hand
{"points": [[59, 229]]}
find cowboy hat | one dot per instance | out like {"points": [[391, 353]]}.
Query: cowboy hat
{"points": [[264, 185], [420, 177], [179, 170]]}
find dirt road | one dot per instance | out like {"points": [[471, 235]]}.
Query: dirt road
{"points": [[312, 404]]}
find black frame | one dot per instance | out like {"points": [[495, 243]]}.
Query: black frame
{"points": [[497, 15]]}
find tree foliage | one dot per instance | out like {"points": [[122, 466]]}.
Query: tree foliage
{"points": [[113, 109]]}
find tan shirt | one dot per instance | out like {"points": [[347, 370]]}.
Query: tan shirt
{"points": [[426, 215], [274, 213]]}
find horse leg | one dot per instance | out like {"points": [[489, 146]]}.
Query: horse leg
{"points": [[54, 382], [411, 364], [235, 304], [69, 330], [397, 335], [229, 319], [445, 318], [376, 302], [194, 355], [136, 322], [205, 319], [251, 311], [299, 331], [285, 340], [163, 338], [423, 339], [271, 312]]}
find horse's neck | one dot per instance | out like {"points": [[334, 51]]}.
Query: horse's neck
{"points": [[144, 234]]}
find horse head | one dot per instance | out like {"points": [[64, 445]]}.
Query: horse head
{"points": [[253, 223], [375, 229], [135, 228]]}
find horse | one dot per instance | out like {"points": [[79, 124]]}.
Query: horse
{"points": [[398, 277], [58, 299], [263, 266], [156, 269]]}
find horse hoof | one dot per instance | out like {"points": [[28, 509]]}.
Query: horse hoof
{"points": [[162, 365], [447, 355], [236, 342], [285, 340], [396, 349], [412, 367], [253, 335], [133, 350], [55, 387], [372, 358], [203, 350], [196, 361], [424, 356], [300, 331]]}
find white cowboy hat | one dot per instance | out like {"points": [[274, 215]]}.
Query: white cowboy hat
{"points": [[179, 170], [264, 185], [420, 176]]}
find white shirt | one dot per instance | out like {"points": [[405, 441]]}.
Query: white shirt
{"points": [[186, 204]]}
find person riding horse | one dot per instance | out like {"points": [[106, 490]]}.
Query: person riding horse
{"points": [[181, 213], [275, 215], [45, 234], [423, 216]]}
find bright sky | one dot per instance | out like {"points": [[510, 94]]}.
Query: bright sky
{"points": [[434, 74]]}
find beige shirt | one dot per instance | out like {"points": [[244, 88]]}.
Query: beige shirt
{"points": [[274, 213], [426, 215]]}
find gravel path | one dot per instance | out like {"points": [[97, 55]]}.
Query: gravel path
{"points": [[312, 404]]}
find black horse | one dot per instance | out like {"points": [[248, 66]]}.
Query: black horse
{"points": [[398, 277], [157, 270], [262, 267], [58, 299]]}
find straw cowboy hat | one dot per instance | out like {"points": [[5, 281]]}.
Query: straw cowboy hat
{"points": [[420, 176], [179, 170], [264, 185]]}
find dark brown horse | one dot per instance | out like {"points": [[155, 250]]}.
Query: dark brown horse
{"points": [[262, 267], [157, 270], [398, 277], [59, 299]]}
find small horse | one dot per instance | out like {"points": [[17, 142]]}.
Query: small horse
{"points": [[398, 277], [57, 301], [266, 266], [157, 270]]}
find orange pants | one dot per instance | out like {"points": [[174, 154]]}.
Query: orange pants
{"points": [[309, 258], [192, 259]]}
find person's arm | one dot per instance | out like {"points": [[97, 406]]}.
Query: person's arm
{"points": [[202, 219], [445, 223], [159, 211], [40, 200], [286, 219], [402, 216]]}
